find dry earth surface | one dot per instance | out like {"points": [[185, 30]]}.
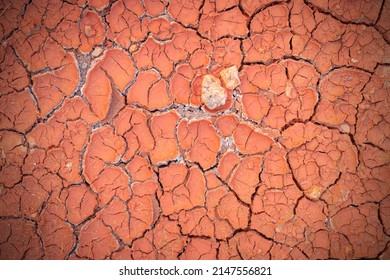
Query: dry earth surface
{"points": [[107, 150]]}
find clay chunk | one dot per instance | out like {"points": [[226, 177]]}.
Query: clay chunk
{"points": [[213, 94], [230, 77]]}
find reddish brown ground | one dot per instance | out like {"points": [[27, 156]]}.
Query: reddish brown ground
{"points": [[107, 151]]}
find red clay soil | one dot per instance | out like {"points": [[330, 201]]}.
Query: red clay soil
{"points": [[108, 152]]}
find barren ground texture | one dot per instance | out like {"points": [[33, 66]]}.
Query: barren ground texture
{"points": [[108, 152]]}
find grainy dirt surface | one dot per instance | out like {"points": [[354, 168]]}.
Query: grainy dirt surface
{"points": [[108, 152]]}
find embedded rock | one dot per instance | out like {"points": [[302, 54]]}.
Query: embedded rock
{"points": [[213, 94], [230, 77]]}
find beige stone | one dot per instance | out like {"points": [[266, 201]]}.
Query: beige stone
{"points": [[230, 77], [133, 48], [97, 51], [213, 94]]}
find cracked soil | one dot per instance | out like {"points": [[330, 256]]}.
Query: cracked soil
{"points": [[107, 150]]}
